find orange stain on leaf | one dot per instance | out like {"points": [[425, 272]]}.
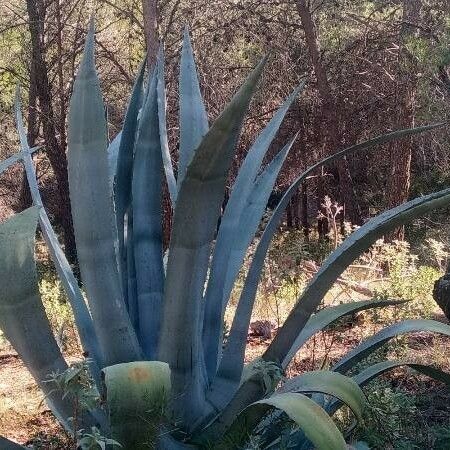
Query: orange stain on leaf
{"points": [[139, 374]]}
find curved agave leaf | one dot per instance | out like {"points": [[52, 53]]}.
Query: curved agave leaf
{"points": [[244, 233], [5, 164], [124, 172], [132, 300], [6, 444], [325, 382], [231, 365], [375, 370], [113, 154], [193, 117], [147, 223], [93, 214], [345, 390], [371, 372], [81, 313], [311, 418], [252, 214], [358, 242], [195, 219], [377, 340], [167, 161], [350, 249], [248, 294], [136, 394], [22, 315], [327, 316], [216, 297]]}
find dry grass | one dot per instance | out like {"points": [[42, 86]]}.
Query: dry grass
{"points": [[24, 416]]}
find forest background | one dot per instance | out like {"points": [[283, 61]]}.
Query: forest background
{"points": [[369, 66]]}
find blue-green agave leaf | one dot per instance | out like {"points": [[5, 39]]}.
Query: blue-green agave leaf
{"points": [[251, 217], [357, 243], [131, 278], [247, 226], [195, 220], [368, 374], [371, 372], [147, 223], [327, 316], [341, 387], [93, 214], [161, 98], [248, 294], [22, 315], [377, 340], [124, 171], [193, 116], [6, 444], [113, 154], [225, 262], [310, 417], [81, 313]]}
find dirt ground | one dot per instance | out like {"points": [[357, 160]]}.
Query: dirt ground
{"points": [[25, 418]]}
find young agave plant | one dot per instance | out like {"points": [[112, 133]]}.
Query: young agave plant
{"points": [[154, 334]]}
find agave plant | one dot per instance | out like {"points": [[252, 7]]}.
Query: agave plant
{"points": [[153, 333]]}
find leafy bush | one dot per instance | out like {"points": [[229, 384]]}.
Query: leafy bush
{"points": [[58, 311], [396, 419]]}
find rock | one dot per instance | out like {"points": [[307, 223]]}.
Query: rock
{"points": [[262, 328]]}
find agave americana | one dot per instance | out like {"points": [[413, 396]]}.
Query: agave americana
{"points": [[155, 332]]}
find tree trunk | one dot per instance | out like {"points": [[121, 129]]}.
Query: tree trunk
{"points": [[399, 179], [304, 210], [61, 89], [150, 11], [332, 136], [289, 216], [55, 150]]}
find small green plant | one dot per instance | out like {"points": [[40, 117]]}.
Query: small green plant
{"points": [[395, 419], [390, 413], [155, 331], [95, 441], [76, 384], [402, 277]]}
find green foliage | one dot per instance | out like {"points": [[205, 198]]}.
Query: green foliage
{"points": [[389, 414], [405, 277], [58, 309], [95, 441], [395, 419], [77, 383], [139, 309]]}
